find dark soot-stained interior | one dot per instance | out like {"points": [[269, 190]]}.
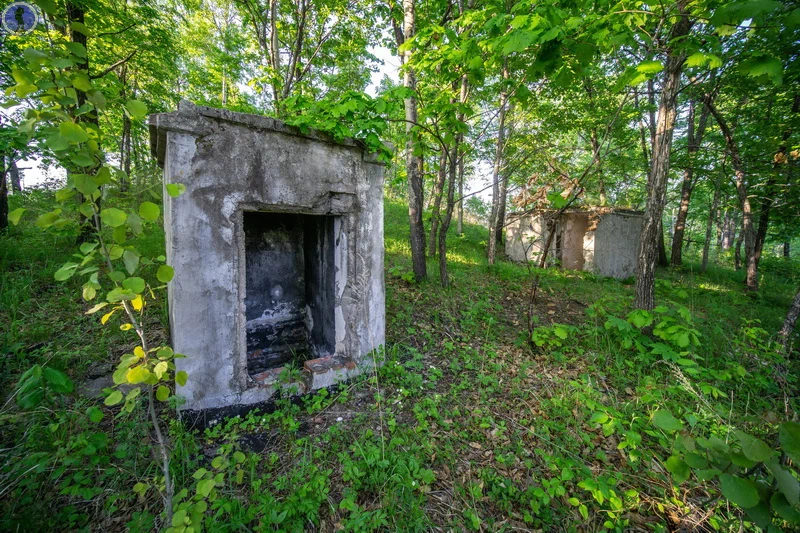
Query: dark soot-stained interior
{"points": [[289, 276]]}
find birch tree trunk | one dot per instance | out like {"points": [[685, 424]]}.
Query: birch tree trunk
{"points": [[659, 168]]}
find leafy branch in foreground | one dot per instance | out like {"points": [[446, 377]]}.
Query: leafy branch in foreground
{"points": [[65, 114]]}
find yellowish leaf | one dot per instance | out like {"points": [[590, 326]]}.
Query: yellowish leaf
{"points": [[107, 316]]}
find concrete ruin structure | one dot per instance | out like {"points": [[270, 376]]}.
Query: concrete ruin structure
{"points": [[600, 240], [277, 247]]}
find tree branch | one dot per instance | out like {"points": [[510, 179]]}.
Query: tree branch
{"points": [[115, 65]]}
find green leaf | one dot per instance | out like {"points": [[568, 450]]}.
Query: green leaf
{"points": [[162, 393], [678, 468], [754, 449], [175, 189], [200, 472], [103, 176], [160, 369], [114, 398], [789, 434], [88, 292], [80, 28], [76, 48], [15, 215], [179, 518], [58, 380], [136, 285], [784, 509], [138, 374], [84, 183], [204, 487], [72, 132], [650, 67], [120, 374], [87, 247], [113, 217], [181, 378], [95, 415], [48, 219], [165, 273], [120, 235], [149, 211], [741, 491], [65, 272], [663, 419], [118, 295], [769, 67], [786, 482], [135, 223], [81, 82], [136, 108], [131, 260]]}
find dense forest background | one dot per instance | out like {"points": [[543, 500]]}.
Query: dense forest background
{"points": [[686, 110]]}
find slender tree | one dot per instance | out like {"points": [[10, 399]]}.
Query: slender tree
{"points": [[659, 171]]}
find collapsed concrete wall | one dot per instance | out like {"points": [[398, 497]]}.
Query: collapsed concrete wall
{"points": [[277, 246], [600, 240]]}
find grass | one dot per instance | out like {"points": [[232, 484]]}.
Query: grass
{"points": [[466, 426]]}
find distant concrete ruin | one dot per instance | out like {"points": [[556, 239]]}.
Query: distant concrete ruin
{"points": [[600, 240], [277, 246]]}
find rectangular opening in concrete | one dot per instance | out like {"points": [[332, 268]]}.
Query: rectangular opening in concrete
{"points": [[289, 287]]}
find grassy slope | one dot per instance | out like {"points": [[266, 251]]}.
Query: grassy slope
{"points": [[465, 427]]}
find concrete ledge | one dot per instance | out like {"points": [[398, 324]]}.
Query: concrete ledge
{"points": [[330, 370]]}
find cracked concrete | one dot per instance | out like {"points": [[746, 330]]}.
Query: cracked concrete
{"points": [[232, 163]]}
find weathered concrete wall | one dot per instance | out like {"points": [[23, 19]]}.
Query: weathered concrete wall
{"points": [[616, 244], [232, 163], [603, 241], [573, 229], [526, 236]]}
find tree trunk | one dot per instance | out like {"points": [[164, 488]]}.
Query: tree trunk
{"points": [[3, 195], [769, 190], [413, 162], [501, 212], [791, 319], [712, 214], [438, 190], [695, 139], [460, 223], [659, 168], [737, 252], [125, 142], [786, 249], [663, 261], [76, 13], [13, 175], [728, 236], [494, 220], [744, 201], [448, 215]]}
